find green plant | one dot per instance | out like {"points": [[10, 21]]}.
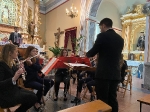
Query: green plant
{"points": [[55, 50], [77, 42]]}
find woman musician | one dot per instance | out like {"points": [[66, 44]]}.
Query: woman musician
{"points": [[10, 94], [62, 75], [33, 80]]}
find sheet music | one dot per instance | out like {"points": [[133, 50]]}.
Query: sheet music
{"points": [[77, 65], [49, 64]]}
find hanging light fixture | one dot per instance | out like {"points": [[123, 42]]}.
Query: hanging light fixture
{"points": [[73, 12]]}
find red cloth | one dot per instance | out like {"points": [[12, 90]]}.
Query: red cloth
{"points": [[61, 60], [41, 60]]}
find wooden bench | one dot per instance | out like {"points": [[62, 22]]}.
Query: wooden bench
{"points": [[94, 106], [144, 100]]}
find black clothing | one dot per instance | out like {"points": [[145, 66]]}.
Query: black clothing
{"points": [[123, 73], [90, 84], [106, 91], [35, 82], [12, 95], [13, 38], [109, 46], [62, 75]]}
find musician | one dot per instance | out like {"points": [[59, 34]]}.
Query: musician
{"points": [[124, 67], [109, 46], [33, 80], [86, 78], [10, 94], [15, 37], [62, 75]]}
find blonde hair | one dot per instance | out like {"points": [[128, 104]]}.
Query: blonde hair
{"points": [[4, 56]]}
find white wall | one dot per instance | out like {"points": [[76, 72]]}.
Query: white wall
{"points": [[107, 9], [123, 4]]}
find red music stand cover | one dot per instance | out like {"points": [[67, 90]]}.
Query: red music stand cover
{"points": [[59, 63]]}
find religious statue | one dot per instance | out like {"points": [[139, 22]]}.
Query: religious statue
{"points": [[57, 36], [5, 14], [141, 42], [31, 29]]}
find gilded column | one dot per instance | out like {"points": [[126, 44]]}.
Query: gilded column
{"points": [[18, 2], [37, 19], [25, 16]]}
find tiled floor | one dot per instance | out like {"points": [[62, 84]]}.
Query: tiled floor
{"points": [[127, 104]]}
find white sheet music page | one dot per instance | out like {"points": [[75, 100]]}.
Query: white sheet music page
{"points": [[77, 65], [48, 65]]}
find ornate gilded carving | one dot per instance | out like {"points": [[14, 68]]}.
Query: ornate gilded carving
{"points": [[10, 12], [25, 17], [18, 2], [132, 21], [37, 18]]}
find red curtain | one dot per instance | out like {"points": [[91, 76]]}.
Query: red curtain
{"points": [[70, 33]]}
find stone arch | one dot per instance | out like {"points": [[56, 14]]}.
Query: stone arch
{"points": [[91, 26]]}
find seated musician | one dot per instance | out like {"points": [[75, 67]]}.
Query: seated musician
{"points": [[124, 67], [89, 77], [33, 80], [62, 75], [10, 94], [88, 80]]}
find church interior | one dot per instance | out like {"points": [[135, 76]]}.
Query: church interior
{"points": [[52, 25]]}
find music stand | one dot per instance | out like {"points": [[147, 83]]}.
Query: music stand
{"points": [[77, 66]]}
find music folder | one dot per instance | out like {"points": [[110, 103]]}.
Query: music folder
{"points": [[49, 66]]}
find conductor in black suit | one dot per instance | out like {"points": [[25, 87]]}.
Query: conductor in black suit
{"points": [[15, 37], [109, 46]]}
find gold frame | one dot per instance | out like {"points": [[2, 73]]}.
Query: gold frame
{"points": [[131, 22], [139, 57]]}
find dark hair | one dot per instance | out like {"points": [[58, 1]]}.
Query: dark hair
{"points": [[61, 54], [27, 54], [15, 27], [106, 21]]}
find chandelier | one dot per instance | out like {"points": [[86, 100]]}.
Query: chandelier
{"points": [[73, 12]]}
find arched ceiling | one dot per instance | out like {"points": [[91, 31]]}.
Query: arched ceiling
{"points": [[122, 5]]}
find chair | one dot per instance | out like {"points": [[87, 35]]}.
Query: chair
{"points": [[62, 87], [127, 81], [21, 84], [86, 90]]}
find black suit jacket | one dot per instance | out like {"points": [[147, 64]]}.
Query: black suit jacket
{"points": [[11, 37], [109, 46], [9, 93]]}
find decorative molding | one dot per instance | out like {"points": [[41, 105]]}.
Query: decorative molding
{"points": [[132, 21], [51, 6]]}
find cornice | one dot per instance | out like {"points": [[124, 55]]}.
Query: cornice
{"points": [[49, 6]]}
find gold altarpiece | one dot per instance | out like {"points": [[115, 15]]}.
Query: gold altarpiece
{"points": [[133, 22], [18, 13]]}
